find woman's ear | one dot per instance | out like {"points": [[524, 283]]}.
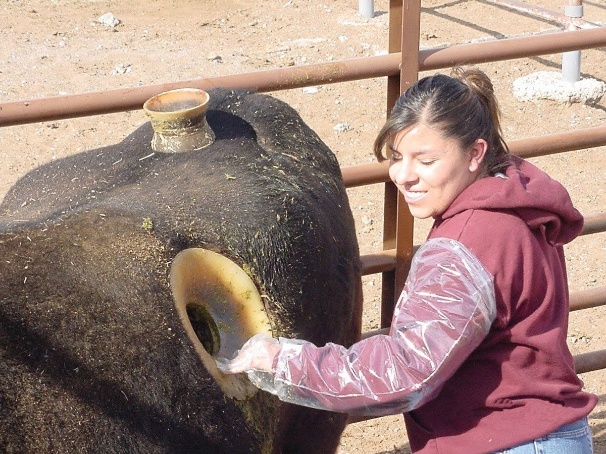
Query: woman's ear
{"points": [[476, 154]]}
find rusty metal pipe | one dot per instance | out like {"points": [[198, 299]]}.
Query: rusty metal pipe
{"points": [[560, 142], [380, 262], [119, 100], [587, 362], [594, 223], [511, 48], [588, 298], [365, 174]]}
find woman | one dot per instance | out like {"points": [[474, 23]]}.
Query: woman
{"points": [[476, 357]]}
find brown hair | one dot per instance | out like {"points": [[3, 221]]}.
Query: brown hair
{"points": [[462, 106]]}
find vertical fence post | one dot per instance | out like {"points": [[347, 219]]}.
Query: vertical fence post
{"points": [[571, 61], [366, 8], [404, 31]]}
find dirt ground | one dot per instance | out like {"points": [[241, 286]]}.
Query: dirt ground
{"points": [[57, 47]]}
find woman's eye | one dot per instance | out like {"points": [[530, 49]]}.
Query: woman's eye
{"points": [[395, 156], [428, 162]]}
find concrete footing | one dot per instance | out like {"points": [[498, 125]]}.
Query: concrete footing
{"points": [[549, 85]]}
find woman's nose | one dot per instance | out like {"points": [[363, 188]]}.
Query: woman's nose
{"points": [[402, 172]]}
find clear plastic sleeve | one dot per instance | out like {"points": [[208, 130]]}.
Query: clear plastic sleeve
{"points": [[444, 312]]}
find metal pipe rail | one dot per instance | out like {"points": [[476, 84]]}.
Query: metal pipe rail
{"points": [[120, 100], [385, 260], [579, 139], [581, 299], [590, 361]]}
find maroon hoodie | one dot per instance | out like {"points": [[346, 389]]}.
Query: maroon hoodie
{"points": [[520, 383]]}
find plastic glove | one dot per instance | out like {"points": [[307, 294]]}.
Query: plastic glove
{"points": [[257, 353], [444, 312]]}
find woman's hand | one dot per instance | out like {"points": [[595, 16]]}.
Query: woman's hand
{"points": [[257, 353]]}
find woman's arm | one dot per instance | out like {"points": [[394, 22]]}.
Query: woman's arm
{"points": [[444, 312]]}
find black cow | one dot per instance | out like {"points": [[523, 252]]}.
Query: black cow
{"points": [[93, 355]]}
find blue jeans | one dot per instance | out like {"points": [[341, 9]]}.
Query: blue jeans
{"points": [[572, 438]]}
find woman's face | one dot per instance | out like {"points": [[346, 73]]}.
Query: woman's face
{"points": [[431, 170]]}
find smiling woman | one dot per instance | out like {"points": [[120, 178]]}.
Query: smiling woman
{"points": [[444, 134], [478, 335]]}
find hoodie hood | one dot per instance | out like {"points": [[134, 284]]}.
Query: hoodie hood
{"points": [[543, 203]]}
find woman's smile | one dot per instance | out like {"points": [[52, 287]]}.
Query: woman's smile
{"points": [[413, 196]]}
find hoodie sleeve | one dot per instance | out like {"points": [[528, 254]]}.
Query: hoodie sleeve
{"points": [[444, 312]]}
